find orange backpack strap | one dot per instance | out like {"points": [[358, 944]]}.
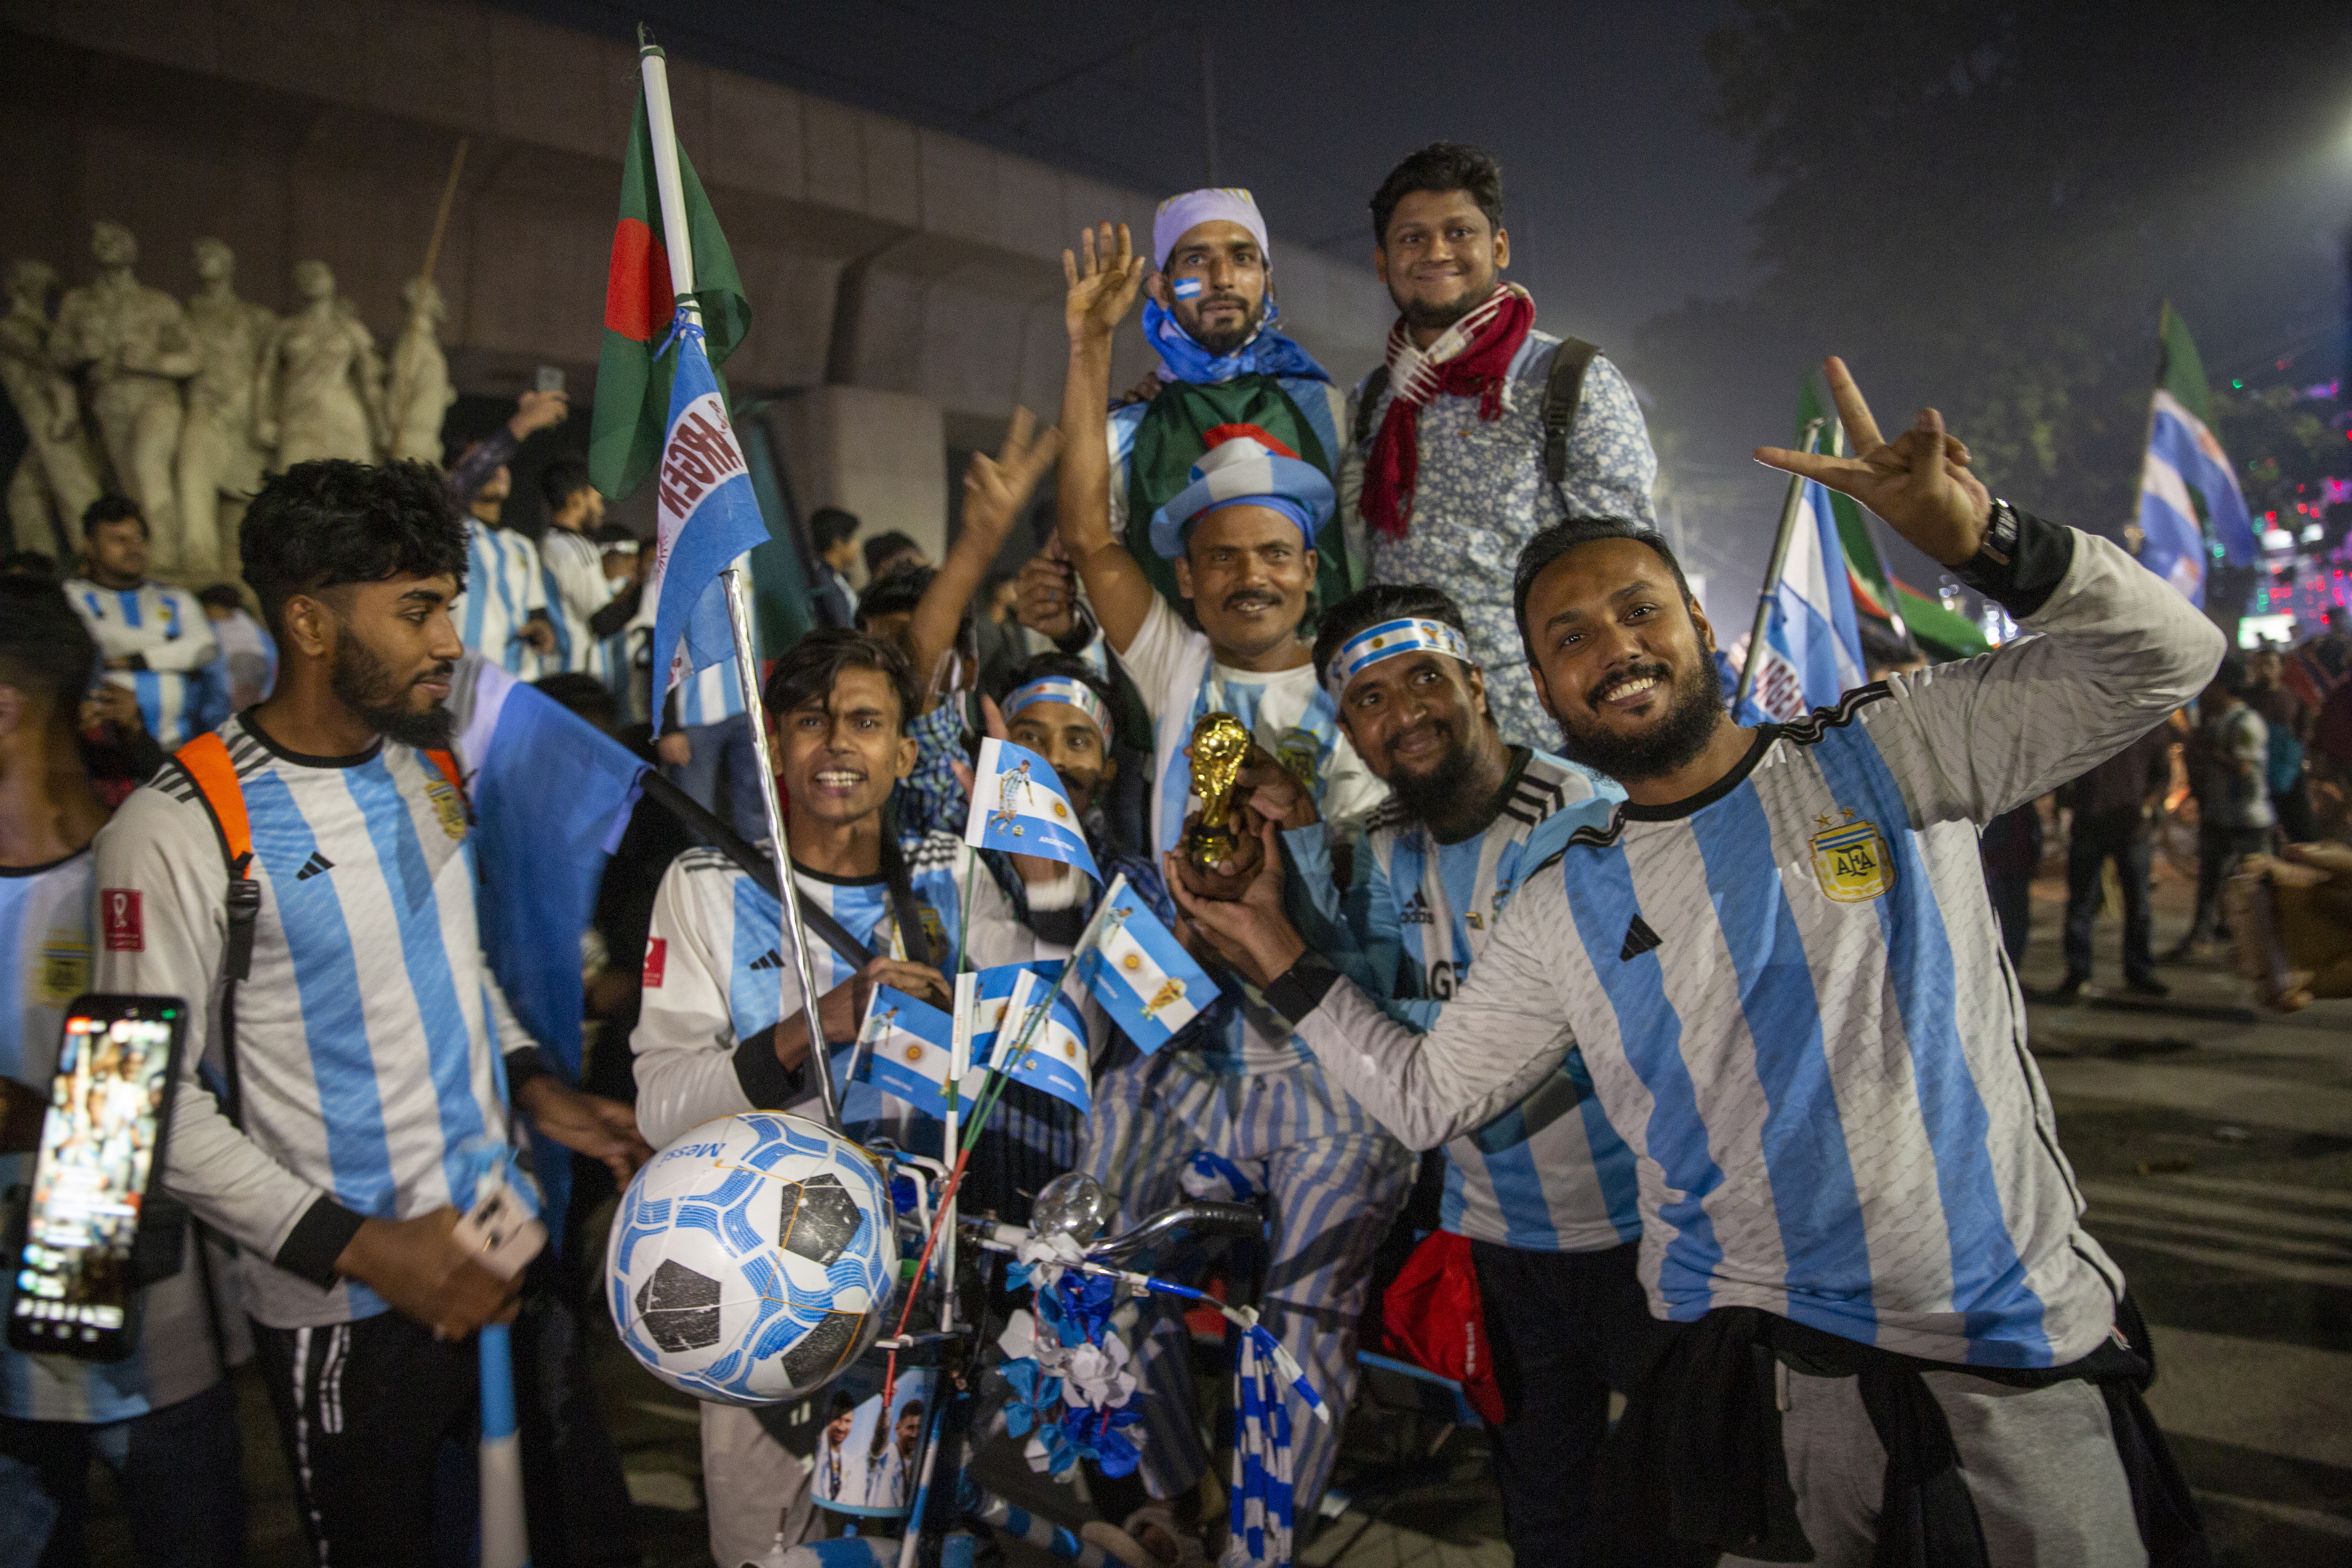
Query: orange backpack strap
{"points": [[205, 760]]}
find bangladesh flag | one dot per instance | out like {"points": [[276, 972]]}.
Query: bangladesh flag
{"points": [[633, 388]]}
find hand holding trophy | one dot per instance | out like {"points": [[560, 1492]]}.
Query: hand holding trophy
{"points": [[1219, 851]]}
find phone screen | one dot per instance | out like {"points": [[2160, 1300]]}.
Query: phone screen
{"points": [[74, 1286]]}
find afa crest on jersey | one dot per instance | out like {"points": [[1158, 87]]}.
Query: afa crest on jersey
{"points": [[448, 806], [1851, 860]]}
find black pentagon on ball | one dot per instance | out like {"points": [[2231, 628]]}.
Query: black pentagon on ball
{"points": [[818, 1353], [818, 1221], [679, 1307]]}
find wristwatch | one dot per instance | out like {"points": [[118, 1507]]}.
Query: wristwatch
{"points": [[1999, 547]]}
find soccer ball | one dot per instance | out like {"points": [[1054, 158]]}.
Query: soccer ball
{"points": [[752, 1259]]}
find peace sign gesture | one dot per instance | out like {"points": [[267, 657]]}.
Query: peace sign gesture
{"points": [[1920, 482], [1103, 285]]}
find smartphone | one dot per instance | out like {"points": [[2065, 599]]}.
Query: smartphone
{"points": [[101, 1145], [547, 378]]}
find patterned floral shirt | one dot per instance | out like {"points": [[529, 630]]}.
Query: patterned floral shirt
{"points": [[1483, 494]]}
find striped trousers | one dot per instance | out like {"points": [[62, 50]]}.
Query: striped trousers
{"points": [[1334, 1183]]}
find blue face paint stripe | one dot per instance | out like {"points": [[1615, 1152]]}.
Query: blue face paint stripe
{"points": [[1823, 1240], [2004, 1317], [1601, 901], [327, 988], [424, 955]]}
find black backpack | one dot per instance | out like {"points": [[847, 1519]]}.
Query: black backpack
{"points": [[1563, 395]]}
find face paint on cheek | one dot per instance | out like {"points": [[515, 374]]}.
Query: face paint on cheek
{"points": [[1186, 288]]}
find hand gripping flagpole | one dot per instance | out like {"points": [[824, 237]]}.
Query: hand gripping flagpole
{"points": [[676, 241], [1789, 509]]}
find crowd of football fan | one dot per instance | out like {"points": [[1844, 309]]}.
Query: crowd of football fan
{"points": [[1659, 1138]]}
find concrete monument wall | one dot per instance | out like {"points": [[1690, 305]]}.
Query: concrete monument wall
{"points": [[879, 256]]}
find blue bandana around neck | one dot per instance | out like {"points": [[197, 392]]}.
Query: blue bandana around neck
{"points": [[1267, 354]]}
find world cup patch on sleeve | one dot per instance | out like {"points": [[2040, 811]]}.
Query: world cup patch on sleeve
{"points": [[126, 927], [656, 959]]}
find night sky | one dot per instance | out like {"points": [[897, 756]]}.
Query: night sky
{"points": [[1623, 200]]}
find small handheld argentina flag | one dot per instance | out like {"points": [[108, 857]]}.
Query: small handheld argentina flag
{"points": [[992, 996], [1055, 1061], [1018, 804], [911, 1048], [1141, 973]]}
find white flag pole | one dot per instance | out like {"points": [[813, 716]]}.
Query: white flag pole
{"points": [[677, 242], [1789, 507]]}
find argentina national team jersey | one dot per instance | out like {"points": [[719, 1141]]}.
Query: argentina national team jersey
{"points": [[45, 963], [504, 584], [573, 579], [179, 694], [716, 973], [1550, 1173], [369, 1033], [1791, 992]]}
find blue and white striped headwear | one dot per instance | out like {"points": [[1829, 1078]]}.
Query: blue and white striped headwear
{"points": [[1061, 689], [1252, 469], [1387, 640]]}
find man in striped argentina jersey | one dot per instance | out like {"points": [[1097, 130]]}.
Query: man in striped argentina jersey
{"points": [[724, 1026], [1545, 1192], [163, 1417], [1783, 972], [157, 642], [374, 1059]]}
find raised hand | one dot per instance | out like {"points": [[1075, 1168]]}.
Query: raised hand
{"points": [[1920, 482], [1250, 932], [1047, 596], [1104, 280], [996, 489]]}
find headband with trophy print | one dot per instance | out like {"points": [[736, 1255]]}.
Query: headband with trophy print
{"points": [[1061, 689], [1387, 640]]}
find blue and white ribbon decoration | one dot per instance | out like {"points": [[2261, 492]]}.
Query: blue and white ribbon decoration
{"points": [[1387, 640], [1061, 689]]}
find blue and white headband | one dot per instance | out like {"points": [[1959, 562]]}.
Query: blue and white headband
{"points": [[1387, 640], [1061, 689]]}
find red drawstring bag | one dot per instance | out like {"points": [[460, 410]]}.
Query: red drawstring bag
{"points": [[1432, 1317]]}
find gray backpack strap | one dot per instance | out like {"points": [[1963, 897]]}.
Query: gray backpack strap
{"points": [[1563, 395], [1368, 399]]}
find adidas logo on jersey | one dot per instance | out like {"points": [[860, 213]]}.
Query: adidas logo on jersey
{"points": [[771, 959], [1416, 910], [1639, 940], [313, 866]]}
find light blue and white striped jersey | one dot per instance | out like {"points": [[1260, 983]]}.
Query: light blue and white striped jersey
{"points": [[504, 584], [368, 1037], [573, 581], [1791, 995], [1550, 1173], [45, 963], [1290, 715], [166, 630], [716, 971], [712, 694]]}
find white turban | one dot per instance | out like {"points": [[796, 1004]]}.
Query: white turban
{"points": [[1178, 214]]}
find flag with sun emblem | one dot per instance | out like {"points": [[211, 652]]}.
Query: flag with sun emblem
{"points": [[1055, 1061], [910, 1050], [1140, 973], [1018, 804]]}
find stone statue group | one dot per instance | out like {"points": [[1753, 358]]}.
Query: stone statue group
{"points": [[185, 407]]}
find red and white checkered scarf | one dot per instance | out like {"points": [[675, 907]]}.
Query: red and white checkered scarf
{"points": [[1472, 358]]}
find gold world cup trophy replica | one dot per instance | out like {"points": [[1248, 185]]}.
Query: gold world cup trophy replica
{"points": [[1219, 746]]}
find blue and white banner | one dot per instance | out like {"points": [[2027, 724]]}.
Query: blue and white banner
{"points": [[2184, 466], [1018, 805], [1055, 1061], [1812, 643], [910, 1050], [708, 516], [993, 995], [1140, 973]]}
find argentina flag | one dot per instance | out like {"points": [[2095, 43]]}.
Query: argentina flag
{"points": [[993, 994], [910, 1050], [1812, 643], [2185, 481], [1018, 805], [1055, 1061], [708, 516], [1141, 973]]}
